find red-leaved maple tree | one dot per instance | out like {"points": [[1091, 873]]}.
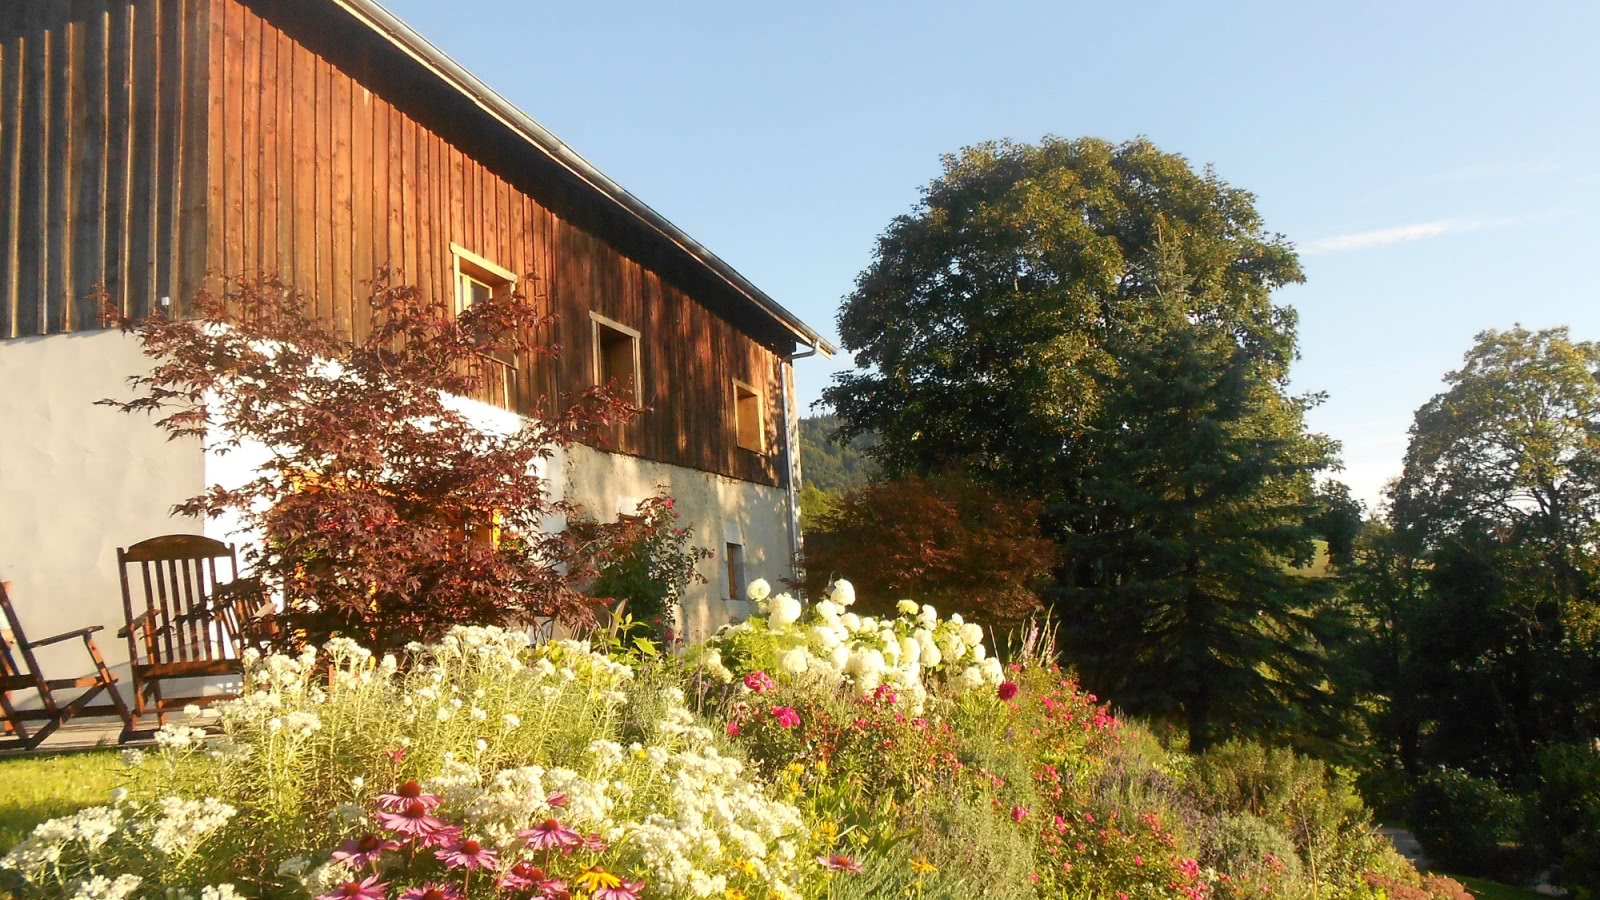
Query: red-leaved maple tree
{"points": [[380, 511], [944, 540]]}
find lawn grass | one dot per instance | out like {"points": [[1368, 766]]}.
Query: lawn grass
{"points": [[36, 788], [1484, 889]]}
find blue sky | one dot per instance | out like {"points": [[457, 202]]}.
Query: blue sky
{"points": [[1437, 163]]}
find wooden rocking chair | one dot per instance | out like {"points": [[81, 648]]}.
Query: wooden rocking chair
{"points": [[184, 622], [19, 671]]}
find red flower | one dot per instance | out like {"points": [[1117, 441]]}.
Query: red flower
{"points": [[733, 728], [1007, 690], [760, 682], [839, 863], [786, 716]]}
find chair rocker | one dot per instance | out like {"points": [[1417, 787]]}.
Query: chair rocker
{"points": [[19, 671]]}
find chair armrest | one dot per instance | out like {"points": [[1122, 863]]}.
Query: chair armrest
{"points": [[142, 622], [66, 635]]}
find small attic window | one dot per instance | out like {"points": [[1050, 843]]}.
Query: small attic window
{"points": [[749, 423], [616, 358], [478, 278]]}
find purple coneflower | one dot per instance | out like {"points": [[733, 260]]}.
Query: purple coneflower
{"points": [[839, 863], [627, 890], [551, 833], [413, 819], [369, 888], [447, 836], [363, 852], [593, 843], [405, 795], [556, 800], [432, 891], [525, 876], [469, 855]]}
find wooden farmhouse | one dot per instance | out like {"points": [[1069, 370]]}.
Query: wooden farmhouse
{"points": [[155, 146]]}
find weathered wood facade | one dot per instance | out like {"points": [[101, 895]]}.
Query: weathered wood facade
{"points": [[155, 145]]}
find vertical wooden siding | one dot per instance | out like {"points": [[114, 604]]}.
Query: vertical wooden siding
{"points": [[316, 177], [101, 161]]}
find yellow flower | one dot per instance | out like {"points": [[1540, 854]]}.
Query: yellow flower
{"points": [[921, 866], [594, 878], [746, 867], [733, 893], [826, 832]]}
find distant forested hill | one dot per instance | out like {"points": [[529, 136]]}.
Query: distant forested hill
{"points": [[827, 466]]}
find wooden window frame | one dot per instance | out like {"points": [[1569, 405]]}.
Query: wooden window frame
{"points": [[740, 390], [597, 322], [479, 269], [734, 566]]}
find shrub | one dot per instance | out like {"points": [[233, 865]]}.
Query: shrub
{"points": [[1261, 859], [945, 540], [645, 566], [1566, 827], [1469, 824], [1316, 808]]}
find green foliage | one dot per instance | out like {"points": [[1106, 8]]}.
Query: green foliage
{"points": [[1091, 325], [649, 564], [1566, 821], [43, 787], [1468, 824], [834, 465], [1254, 850]]}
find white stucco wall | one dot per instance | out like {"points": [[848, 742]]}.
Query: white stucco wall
{"points": [[77, 481], [717, 510]]}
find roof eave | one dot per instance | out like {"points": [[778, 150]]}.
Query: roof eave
{"points": [[414, 45]]}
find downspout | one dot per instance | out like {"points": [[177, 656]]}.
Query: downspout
{"points": [[790, 433]]}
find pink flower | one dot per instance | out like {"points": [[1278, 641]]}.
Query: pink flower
{"points": [[432, 891], [447, 836], [1018, 813], [733, 728], [557, 800], [469, 855], [397, 755], [839, 863], [405, 795], [786, 716], [1007, 690], [551, 834], [628, 890], [593, 843], [413, 819], [525, 876], [760, 682], [360, 853], [369, 888]]}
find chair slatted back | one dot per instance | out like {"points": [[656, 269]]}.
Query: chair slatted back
{"points": [[17, 665], [178, 575]]}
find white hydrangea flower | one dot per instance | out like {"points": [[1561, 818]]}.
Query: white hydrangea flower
{"points": [[906, 607], [785, 611], [758, 590], [795, 661], [972, 634], [843, 593]]}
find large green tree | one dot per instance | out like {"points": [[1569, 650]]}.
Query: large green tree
{"points": [[1501, 493], [1092, 325]]}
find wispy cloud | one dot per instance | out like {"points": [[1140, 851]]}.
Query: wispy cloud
{"points": [[1400, 234]]}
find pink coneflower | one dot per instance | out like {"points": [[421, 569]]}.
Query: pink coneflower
{"points": [[786, 716], [405, 795], [551, 834], [1007, 690], [363, 852], [525, 876], [469, 855], [839, 863], [628, 890], [369, 888], [593, 843], [760, 682], [447, 836], [412, 819], [432, 891], [557, 800]]}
